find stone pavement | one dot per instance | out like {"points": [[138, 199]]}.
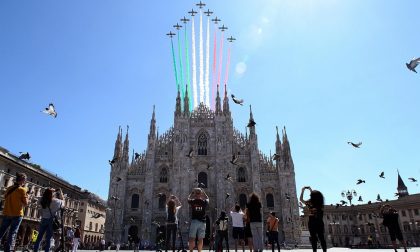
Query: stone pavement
{"points": [[416, 249]]}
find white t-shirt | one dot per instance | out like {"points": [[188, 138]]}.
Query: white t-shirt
{"points": [[237, 219], [55, 206]]}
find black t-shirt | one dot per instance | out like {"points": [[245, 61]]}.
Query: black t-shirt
{"points": [[254, 212], [198, 207]]}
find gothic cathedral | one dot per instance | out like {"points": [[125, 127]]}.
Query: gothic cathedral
{"points": [[139, 189]]}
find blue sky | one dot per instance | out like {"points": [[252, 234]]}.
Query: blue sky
{"points": [[330, 71]]}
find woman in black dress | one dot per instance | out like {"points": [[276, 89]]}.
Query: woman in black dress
{"points": [[390, 216], [315, 206]]}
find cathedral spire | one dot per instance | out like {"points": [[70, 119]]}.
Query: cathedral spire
{"points": [[178, 104], [278, 142], [152, 132], [218, 107], [251, 120], [186, 103], [118, 144], [226, 103], [402, 189], [126, 147]]}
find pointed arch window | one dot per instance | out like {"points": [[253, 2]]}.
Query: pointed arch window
{"points": [[202, 144], [162, 202], [242, 200], [202, 180], [241, 174], [135, 198], [270, 200], [164, 175]]}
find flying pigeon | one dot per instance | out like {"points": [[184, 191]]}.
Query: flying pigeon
{"points": [[360, 198], [413, 64], [251, 123], [412, 179], [237, 101], [115, 198], [201, 185], [208, 167], [24, 156], [378, 198], [132, 219], [156, 223], [343, 202], [190, 153], [50, 110], [111, 162], [118, 179], [397, 194], [227, 195], [359, 181], [287, 196], [355, 145], [276, 157], [136, 156], [382, 175], [228, 178], [234, 159], [369, 202]]}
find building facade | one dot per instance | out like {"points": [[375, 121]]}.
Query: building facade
{"points": [[92, 215], [354, 225], [38, 180], [166, 168]]}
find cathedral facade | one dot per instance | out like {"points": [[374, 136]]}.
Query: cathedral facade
{"points": [[139, 188]]}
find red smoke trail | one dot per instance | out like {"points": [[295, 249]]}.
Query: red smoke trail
{"points": [[227, 67], [220, 59], [213, 88]]}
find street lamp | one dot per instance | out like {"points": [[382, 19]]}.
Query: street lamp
{"points": [[349, 194]]}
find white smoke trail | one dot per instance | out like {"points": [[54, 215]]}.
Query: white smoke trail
{"points": [[208, 64], [201, 82], [194, 70]]}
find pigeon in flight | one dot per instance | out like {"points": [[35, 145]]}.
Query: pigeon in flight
{"points": [[237, 101], [156, 223], [190, 153], [234, 159], [136, 155], [275, 157], [251, 123], [359, 181], [228, 178], [355, 145], [24, 156], [227, 196], [287, 196], [397, 194], [412, 179], [378, 198], [382, 175], [132, 220], [118, 179], [208, 166], [111, 162], [97, 215], [343, 202], [360, 198], [50, 110], [413, 64], [115, 198]]}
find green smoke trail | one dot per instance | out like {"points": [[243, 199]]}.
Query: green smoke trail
{"points": [[188, 69], [180, 69], [173, 56]]}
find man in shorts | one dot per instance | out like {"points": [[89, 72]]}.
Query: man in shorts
{"points": [[198, 201], [238, 230]]}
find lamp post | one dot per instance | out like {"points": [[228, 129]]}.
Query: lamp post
{"points": [[349, 194]]}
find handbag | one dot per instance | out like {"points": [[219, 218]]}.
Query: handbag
{"points": [[56, 223]]}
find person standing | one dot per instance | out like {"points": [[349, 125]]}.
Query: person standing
{"points": [[315, 208], [247, 231], [390, 216], [15, 199], [172, 207], [256, 222], [76, 239], [222, 232], [51, 204], [237, 226], [273, 230], [198, 201]]}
